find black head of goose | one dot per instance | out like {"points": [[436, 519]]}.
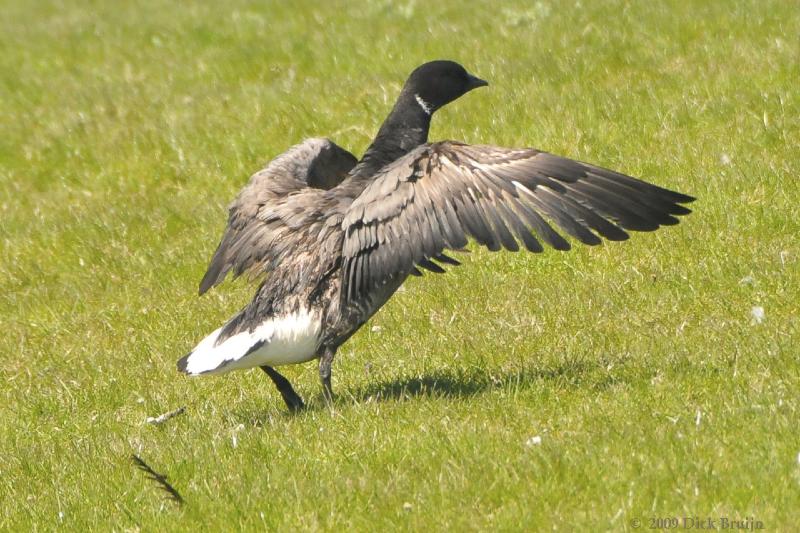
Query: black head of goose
{"points": [[332, 239], [428, 88]]}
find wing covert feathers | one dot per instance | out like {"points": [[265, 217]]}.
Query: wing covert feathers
{"points": [[440, 194], [277, 201]]}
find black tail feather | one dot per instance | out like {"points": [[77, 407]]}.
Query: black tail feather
{"points": [[183, 363]]}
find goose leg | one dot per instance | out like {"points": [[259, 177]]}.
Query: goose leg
{"points": [[325, 361], [293, 401]]}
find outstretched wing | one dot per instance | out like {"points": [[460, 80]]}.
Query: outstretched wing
{"points": [[265, 217], [440, 194]]}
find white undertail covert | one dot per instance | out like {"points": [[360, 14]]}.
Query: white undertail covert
{"points": [[284, 340]]}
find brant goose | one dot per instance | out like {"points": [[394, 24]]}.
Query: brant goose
{"points": [[336, 237]]}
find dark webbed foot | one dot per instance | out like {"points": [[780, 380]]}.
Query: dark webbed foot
{"points": [[325, 361], [293, 401]]}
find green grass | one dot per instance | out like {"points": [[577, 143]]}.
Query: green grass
{"points": [[125, 131]]}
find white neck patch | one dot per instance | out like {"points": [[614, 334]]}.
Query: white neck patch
{"points": [[428, 108]]}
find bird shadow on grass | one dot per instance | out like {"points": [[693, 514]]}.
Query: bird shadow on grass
{"points": [[460, 383], [456, 383]]}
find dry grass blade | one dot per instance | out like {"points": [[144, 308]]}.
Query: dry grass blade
{"points": [[158, 478]]}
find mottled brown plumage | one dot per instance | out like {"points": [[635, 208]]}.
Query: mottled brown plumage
{"points": [[333, 240], [284, 197], [440, 194]]}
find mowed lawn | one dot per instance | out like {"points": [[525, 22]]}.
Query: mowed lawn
{"points": [[599, 388]]}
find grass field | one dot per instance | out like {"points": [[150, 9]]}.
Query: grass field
{"points": [[654, 393]]}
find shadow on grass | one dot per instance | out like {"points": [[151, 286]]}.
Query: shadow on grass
{"points": [[455, 383], [459, 383]]}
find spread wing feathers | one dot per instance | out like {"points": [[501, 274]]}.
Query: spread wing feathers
{"points": [[275, 202], [440, 194]]}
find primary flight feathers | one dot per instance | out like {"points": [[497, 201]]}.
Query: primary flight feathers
{"points": [[440, 194]]}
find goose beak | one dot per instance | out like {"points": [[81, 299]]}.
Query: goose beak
{"points": [[475, 82]]}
